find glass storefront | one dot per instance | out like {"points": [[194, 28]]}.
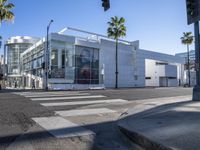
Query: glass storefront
{"points": [[86, 65], [32, 61], [75, 64], [13, 56], [62, 61]]}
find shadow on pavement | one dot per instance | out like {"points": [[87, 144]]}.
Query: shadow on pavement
{"points": [[106, 137], [165, 127]]}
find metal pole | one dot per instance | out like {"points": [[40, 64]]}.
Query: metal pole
{"points": [[47, 58], [188, 64], [4, 65], [196, 89], [116, 63]]}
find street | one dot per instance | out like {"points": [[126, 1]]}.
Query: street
{"points": [[72, 120]]}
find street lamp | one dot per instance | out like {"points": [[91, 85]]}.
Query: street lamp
{"points": [[47, 57]]}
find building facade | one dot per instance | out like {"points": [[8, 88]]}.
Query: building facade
{"points": [[88, 63], [14, 47], [192, 67], [161, 70], [191, 58], [79, 63]]}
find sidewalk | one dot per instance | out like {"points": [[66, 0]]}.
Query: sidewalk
{"points": [[164, 124]]}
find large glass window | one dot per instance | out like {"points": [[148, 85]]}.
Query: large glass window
{"points": [[70, 63], [63, 58], [86, 65], [54, 57], [56, 72]]}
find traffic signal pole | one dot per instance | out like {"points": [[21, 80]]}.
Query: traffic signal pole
{"points": [[196, 89], [193, 16]]}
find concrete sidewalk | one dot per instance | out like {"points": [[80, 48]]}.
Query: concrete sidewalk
{"points": [[163, 124]]}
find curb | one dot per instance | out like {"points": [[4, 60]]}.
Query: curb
{"points": [[142, 141], [129, 141]]}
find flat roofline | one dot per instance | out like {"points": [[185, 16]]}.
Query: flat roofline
{"points": [[92, 33]]}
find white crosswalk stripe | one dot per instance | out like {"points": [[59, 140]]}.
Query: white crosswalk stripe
{"points": [[84, 102], [61, 128], [83, 112], [65, 98], [45, 93], [55, 95]]}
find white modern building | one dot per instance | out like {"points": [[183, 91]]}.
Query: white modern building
{"points": [[161, 70], [192, 67], [80, 63], [13, 48], [184, 55], [84, 63]]}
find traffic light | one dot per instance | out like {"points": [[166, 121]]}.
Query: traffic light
{"points": [[192, 10], [106, 4]]}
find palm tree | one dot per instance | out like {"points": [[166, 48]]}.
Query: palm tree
{"points": [[187, 39], [116, 30], [5, 11]]}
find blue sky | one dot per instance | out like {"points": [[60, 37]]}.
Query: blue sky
{"points": [[158, 24]]}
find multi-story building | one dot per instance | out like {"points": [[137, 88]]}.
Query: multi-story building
{"points": [[14, 47], [192, 67], [191, 58], [81, 63]]}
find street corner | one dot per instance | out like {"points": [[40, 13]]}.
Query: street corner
{"points": [[169, 126]]}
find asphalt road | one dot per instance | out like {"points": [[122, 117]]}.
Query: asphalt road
{"points": [[144, 93], [17, 125]]}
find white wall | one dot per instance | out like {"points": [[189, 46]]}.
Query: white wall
{"points": [[174, 69], [131, 62], [160, 74], [126, 76]]}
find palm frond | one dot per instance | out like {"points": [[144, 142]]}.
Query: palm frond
{"points": [[9, 6], [116, 27], [187, 38], [5, 11], [9, 16]]}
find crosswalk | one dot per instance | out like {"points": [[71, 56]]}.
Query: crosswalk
{"points": [[64, 98], [61, 125]]}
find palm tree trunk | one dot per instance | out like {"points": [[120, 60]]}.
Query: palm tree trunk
{"points": [[188, 64], [116, 61]]}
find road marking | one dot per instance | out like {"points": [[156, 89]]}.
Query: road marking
{"points": [[62, 128], [64, 98], [84, 102], [43, 93], [83, 112], [54, 95]]}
